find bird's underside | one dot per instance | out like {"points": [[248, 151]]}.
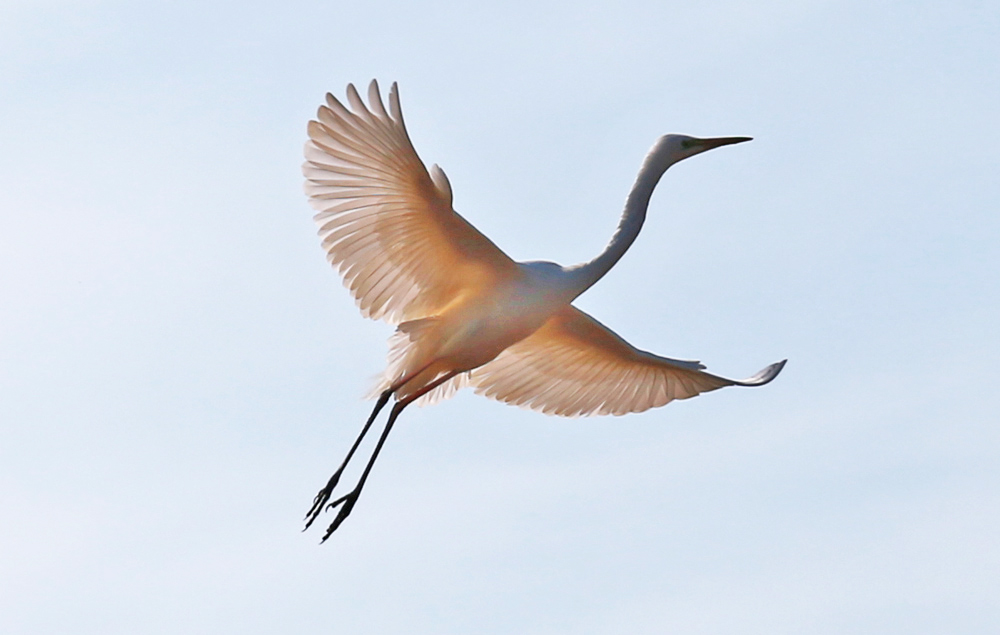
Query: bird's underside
{"points": [[388, 226]]}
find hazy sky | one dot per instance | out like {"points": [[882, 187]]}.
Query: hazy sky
{"points": [[180, 370]]}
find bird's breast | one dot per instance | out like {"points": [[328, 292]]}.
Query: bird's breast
{"points": [[486, 325]]}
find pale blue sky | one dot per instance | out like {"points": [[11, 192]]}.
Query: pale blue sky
{"points": [[180, 370]]}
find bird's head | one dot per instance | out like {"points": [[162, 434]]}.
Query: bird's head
{"points": [[671, 148]]}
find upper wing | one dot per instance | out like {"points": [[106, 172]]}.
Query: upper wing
{"points": [[574, 365], [386, 223]]}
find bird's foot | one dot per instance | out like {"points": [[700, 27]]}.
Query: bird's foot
{"points": [[347, 505], [321, 497]]}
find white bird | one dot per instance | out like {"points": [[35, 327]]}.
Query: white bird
{"points": [[465, 313]]}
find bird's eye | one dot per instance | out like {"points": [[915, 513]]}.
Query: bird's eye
{"points": [[687, 144]]}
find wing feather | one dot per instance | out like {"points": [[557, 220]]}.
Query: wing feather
{"points": [[576, 366], [385, 222]]}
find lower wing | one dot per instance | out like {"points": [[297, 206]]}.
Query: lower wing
{"points": [[576, 366]]}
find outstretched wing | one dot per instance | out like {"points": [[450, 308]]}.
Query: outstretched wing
{"points": [[574, 366], [387, 223]]}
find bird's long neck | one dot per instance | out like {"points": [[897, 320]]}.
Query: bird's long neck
{"points": [[586, 274]]}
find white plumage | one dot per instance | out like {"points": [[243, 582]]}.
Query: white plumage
{"points": [[467, 314]]}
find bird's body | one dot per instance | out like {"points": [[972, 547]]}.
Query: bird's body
{"points": [[466, 313], [476, 327]]}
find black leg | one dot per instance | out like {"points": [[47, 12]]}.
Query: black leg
{"points": [[346, 502], [325, 493]]}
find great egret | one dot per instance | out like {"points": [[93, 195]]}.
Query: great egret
{"points": [[465, 313]]}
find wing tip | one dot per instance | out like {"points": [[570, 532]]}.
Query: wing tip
{"points": [[766, 375]]}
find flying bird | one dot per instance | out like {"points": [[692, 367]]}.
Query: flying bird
{"points": [[465, 313]]}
